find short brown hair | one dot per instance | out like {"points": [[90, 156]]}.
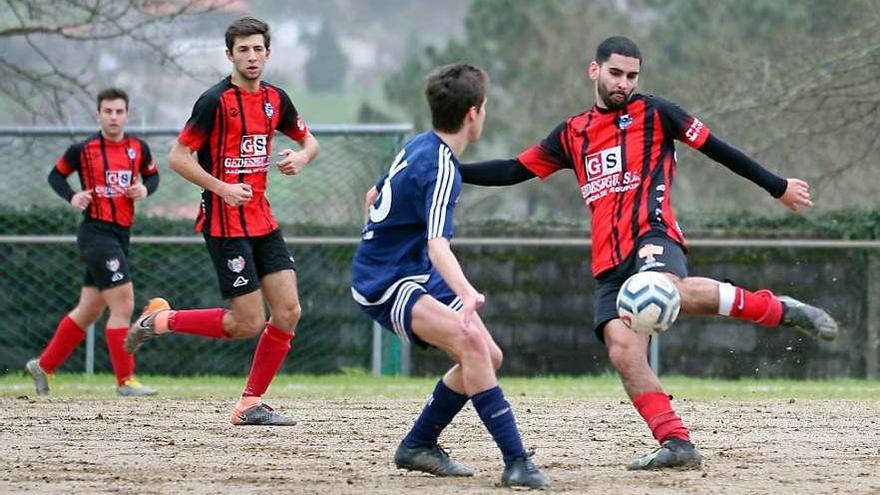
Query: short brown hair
{"points": [[112, 94], [244, 27], [451, 91]]}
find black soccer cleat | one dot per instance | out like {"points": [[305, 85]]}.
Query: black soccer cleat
{"points": [[433, 460], [813, 321], [260, 415], [674, 453], [522, 472]]}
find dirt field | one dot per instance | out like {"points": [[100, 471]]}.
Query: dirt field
{"points": [[345, 446]]}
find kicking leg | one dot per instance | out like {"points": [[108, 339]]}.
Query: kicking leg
{"points": [[704, 296]]}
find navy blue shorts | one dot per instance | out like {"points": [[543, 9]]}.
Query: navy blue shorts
{"points": [[655, 252], [393, 310]]}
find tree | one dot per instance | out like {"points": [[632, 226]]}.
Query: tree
{"points": [[793, 82], [327, 65], [43, 69]]}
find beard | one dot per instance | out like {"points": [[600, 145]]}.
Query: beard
{"points": [[606, 96]]}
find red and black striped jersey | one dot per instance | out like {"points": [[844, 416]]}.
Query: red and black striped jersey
{"points": [[625, 162], [107, 168], [231, 130]]}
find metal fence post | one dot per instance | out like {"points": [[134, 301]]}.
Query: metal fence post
{"points": [[90, 350], [377, 349], [654, 355], [405, 358]]}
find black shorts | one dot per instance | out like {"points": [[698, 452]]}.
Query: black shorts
{"points": [[242, 261], [103, 247], [654, 252]]}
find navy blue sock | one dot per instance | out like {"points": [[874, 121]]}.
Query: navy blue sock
{"points": [[497, 415], [442, 406]]}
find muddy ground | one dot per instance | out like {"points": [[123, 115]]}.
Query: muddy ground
{"points": [[145, 446]]}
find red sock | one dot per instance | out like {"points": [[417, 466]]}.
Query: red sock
{"points": [[761, 307], [67, 336], [657, 411], [271, 350], [204, 322], [123, 362]]}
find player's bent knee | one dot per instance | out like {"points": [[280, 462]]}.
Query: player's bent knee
{"points": [[290, 315], [496, 356], [471, 346]]}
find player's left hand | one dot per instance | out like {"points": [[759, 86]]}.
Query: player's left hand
{"points": [[136, 191], [469, 307], [293, 161], [797, 195]]}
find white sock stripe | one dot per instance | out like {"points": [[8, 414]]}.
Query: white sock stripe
{"points": [[726, 298]]}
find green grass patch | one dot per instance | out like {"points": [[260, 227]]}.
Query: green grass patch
{"points": [[361, 384]]}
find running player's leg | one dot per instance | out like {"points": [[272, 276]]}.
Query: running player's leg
{"points": [[280, 290], [120, 300], [68, 335], [239, 283], [438, 325]]}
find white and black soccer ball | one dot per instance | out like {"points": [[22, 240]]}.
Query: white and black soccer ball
{"points": [[648, 302]]}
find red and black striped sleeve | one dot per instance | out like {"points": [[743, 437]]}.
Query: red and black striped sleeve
{"points": [[679, 124], [69, 162], [290, 122], [549, 155], [198, 128]]}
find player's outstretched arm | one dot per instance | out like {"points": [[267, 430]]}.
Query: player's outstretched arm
{"points": [[181, 161], [503, 172], [294, 161], [743, 165], [441, 256]]}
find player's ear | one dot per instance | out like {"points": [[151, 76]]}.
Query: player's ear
{"points": [[593, 71], [228, 55]]}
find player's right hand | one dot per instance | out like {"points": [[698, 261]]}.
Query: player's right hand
{"points": [[797, 195], [469, 306], [81, 200], [236, 194]]}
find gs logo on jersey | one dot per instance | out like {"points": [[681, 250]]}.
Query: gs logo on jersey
{"points": [[253, 145], [121, 178], [606, 162]]}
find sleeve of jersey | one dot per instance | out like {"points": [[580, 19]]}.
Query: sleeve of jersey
{"points": [[291, 122], [148, 164], [198, 127], [69, 161], [440, 197], [549, 155], [682, 125]]}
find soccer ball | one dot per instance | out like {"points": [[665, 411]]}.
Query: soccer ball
{"points": [[648, 302]]}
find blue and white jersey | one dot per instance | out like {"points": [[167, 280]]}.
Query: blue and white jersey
{"points": [[416, 202]]}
